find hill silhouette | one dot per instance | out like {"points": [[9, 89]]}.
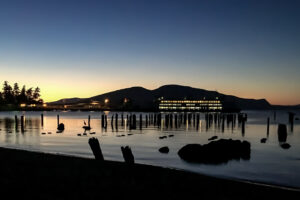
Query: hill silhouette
{"points": [[144, 99]]}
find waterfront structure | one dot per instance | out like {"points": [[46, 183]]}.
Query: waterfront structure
{"points": [[191, 105]]}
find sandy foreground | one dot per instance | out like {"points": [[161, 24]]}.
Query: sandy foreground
{"points": [[25, 174]]}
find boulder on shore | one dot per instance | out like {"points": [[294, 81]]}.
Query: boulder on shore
{"points": [[216, 152]]}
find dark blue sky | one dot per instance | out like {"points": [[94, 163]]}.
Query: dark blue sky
{"points": [[83, 48]]}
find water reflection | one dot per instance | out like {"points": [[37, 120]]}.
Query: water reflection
{"points": [[143, 137]]}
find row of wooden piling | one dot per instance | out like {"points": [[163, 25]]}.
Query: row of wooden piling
{"points": [[171, 120]]}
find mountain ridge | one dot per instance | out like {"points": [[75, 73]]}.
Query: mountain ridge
{"points": [[142, 98]]}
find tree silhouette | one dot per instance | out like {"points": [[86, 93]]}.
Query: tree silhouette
{"points": [[13, 95]]}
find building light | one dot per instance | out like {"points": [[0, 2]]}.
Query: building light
{"points": [[44, 105], [106, 101], [22, 105]]}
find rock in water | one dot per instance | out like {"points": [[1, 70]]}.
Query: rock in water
{"points": [[61, 127], [164, 149], [263, 140], [285, 146], [162, 137], [216, 152]]}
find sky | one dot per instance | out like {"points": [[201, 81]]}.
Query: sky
{"points": [[82, 48]]}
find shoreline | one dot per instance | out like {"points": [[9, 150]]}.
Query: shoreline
{"points": [[271, 185], [20, 165]]}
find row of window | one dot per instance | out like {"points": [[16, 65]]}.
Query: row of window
{"points": [[190, 101], [189, 105], [190, 108]]}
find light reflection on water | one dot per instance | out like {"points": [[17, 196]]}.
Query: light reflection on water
{"points": [[269, 162]]}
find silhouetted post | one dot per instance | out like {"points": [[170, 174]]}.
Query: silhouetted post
{"points": [[243, 126], [127, 155], [116, 121], [197, 122], [167, 120], [22, 123], [206, 121], [102, 121], [171, 120], [134, 121], [57, 120], [147, 120], [223, 123], [105, 118], [176, 120], [42, 119], [122, 120], [282, 132], [16, 122], [130, 122], [95, 146], [155, 119], [268, 126], [112, 121], [291, 120], [141, 121], [159, 119], [232, 123], [194, 117], [89, 121]]}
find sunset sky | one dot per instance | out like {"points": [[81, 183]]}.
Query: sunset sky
{"points": [[84, 48]]}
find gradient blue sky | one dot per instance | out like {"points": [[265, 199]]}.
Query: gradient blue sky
{"points": [[84, 48]]}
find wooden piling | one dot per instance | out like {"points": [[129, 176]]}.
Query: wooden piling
{"points": [[42, 119], [16, 122], [105, 119], [243, 127], [57, 120], [116, 121], [134, 121], [95, 146], [268, 126], [112, 121], [223, 123], [127, 155], [291, 120], [102, 121], [22, 123], [141, 121]]}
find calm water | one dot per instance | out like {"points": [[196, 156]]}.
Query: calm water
{"points": [[269, 163]]}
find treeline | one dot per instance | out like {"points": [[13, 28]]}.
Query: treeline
{"points": [[15, 95]]}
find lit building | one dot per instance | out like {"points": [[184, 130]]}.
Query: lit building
{"points": [[191, 105]]}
